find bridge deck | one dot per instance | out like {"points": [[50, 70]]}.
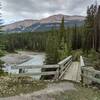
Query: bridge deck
{"points": [[73, 73]]}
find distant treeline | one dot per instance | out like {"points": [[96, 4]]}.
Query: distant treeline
{"points": [[25, 41]]}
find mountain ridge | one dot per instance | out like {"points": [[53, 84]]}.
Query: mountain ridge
{"points": [[23, 25]]}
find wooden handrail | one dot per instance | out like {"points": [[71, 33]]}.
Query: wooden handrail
{"points": [[88, 73], [36, 74], [34, 66], [91, 70], [91, 78], [66, 65], [82, 64], [62, 66], [65, 69], [65, 60]]}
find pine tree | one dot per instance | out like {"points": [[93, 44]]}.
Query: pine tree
{"points": [[63, 50], [74, 38], [97, 30], [52, 49], [89, 42], [62, 31]]}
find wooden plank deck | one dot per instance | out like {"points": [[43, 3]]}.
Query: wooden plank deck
{"points": [[73, 73]]}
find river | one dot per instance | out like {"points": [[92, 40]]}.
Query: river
{"points": [[24, 58]]}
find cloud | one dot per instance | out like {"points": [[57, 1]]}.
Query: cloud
{"points": [[13, 10]]}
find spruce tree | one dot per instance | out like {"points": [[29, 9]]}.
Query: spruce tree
{"points": [[62, 30], [97, 30], [90, 23], [74, 38], [52, 48]]}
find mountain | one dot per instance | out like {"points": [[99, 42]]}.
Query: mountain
{"points": [[19, 25], [44, 24], [58, 18]]}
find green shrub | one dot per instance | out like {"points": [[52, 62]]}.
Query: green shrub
{"points": [[2, 73], [94, 58], [93, 55], [1, 53], [76, 54]]}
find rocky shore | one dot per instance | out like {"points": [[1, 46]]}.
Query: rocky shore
{"points": [[19, 57], [15, 58]]}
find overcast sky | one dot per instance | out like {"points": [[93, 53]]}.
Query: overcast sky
{"points": [[13, 10]]}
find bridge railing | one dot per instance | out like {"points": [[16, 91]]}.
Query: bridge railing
{"points": [[89, 74], [23, 67], [61, 67]]}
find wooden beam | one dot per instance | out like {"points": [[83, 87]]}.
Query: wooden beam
{"points": [[66, 65], [91, 70], [34, 66], [92, 78], [65, 60], [34, 74], [63, 72], [82, 64]]}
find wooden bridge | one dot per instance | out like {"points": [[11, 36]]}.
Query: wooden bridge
{"points": [[66, 70]]}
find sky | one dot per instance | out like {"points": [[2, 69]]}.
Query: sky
{"points": [[15, 10]]}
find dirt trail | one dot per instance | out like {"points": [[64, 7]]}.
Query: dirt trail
{"points": [[45, 94]]}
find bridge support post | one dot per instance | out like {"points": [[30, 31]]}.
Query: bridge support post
{"points": [[82, 79], [57, 74]]}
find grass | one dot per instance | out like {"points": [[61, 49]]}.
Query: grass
{"points": [[82, 93], [93, 59], [17, 86], [23, 85]]}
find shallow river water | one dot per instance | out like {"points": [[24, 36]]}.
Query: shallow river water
{"points": [[36, 59]]}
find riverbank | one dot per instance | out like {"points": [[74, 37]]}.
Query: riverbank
{"points": [[19, 57], [15, 58], [11, 86], [26, 89], [23, 58]]}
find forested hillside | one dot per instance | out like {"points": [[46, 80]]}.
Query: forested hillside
{"points": [[59, 43], [85, 38]]}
